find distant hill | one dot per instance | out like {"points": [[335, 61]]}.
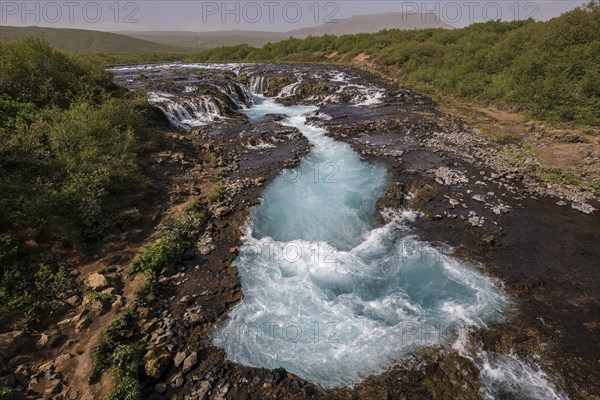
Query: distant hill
{"points": [[84, 41], [209, 40], [357, 24], [373, 23]]}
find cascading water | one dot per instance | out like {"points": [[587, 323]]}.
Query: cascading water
{"points": [[508, 376], [329, 295], [258, 84], [187, 112]]}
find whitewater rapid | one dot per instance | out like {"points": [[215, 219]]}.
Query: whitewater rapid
{"points": [[329, 294]]}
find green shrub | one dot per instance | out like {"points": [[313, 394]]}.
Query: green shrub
{"points": [[145, 296], [5, 393], [34, 72], [126, 358], [68, 142], [174, 239], [216, 194], [99, 296], [32, 290], [119, 331], [155, 364], [156, 256], [127, 388]]}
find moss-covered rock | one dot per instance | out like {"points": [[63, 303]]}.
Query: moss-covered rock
{"points": [[156, 364], [274, 85]]}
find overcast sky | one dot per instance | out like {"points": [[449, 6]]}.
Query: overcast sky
{"points": [[261, 15]]}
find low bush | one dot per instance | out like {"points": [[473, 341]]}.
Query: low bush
{"points": [[113, 348], [33, 290], [174, 239], [127, 388]]}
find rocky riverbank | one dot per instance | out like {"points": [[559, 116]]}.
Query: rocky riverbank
{"points": [[540, 240]]}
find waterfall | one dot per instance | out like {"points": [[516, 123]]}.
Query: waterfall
{"points": [[191, 109], [289, 90], [258, 84], [186, 112]]}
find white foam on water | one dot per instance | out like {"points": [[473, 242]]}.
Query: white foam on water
{"points": [[511, 377], [186, 112], [178, 65], [260, 146]]}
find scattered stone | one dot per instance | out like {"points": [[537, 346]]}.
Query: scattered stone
{"points": [[479, 198], [43, 340], [206, 246], [476, 221], [190, 362], [178, 380], [583, 207], [204, 389], [501, 209], [97, 281], [73, 301], [233, 270], [111, 291], [179, 357], [221, 211], [446, 176], [161, 387], [572, 139]]}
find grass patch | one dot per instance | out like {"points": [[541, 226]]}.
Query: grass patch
{"points": [[216, 194], [122, 330], [99, 296], [117, 349], [119, 352], [127, 388], [595, 185], [145, 296], [5, 393], [174, 239], [33, 290], [214, 160]]}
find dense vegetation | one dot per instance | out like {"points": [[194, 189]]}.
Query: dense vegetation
{"points": [[550, 67], [69, 141]]}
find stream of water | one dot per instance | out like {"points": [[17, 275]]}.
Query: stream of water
{"points": [[331, 295], [334, 291]]}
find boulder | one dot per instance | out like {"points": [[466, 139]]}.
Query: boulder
{"points": [[161, 387], [97, 281], [179, 358], [190, 362]]}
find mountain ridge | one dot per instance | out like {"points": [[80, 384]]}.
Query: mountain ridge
{"points": [[368, 23]]}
